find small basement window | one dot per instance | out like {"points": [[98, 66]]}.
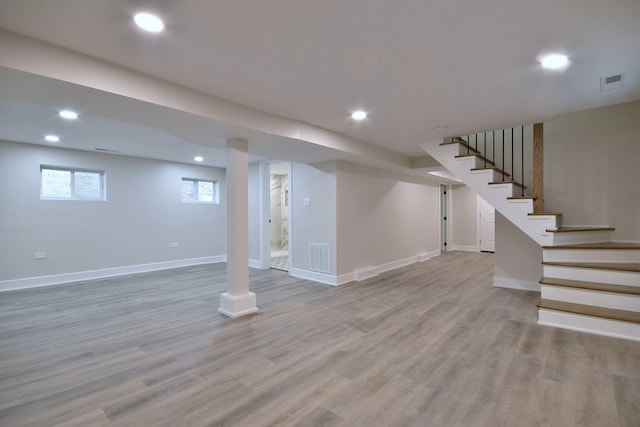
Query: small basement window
{"points": [[60, 183], [199, 191]]}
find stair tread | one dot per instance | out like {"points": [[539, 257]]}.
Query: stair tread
{"points": [[507, 182], [521, 198], [590, 310], [579, 229], [492, 168], [477, 154], [605, 287], [604, 245], [619, 266], [545, 214]]}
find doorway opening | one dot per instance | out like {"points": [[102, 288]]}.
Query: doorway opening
{"points": [[279, 215]]}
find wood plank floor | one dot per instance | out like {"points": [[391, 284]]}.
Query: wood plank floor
{"points": [[433, 344]]}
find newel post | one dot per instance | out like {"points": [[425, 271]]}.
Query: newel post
{"points": [[538, 187]]}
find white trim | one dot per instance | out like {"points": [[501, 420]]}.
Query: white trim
{"points": [[589, 324], [290, 220], [426, 256], [56, 279], [397, 264], [265, 226], [362, 274], [256, 263], [448, 208], [237, 305], [523, 285], [467, 248], [327, 279]]}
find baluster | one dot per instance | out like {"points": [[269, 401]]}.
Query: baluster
{"points": [[512, 175], [503, 154], [484, 154], [522, 160], [493, 144]]}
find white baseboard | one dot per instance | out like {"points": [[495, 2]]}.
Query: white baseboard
{"points": [[256, 263], [327, 279], [56, 279], [362, 274], [465, 248], [428, 255], [523, 285]]}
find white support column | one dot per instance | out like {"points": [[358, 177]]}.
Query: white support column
{"points": [[237, 301]]}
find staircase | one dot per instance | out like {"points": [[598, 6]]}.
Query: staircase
{"points": [[589, 283]]}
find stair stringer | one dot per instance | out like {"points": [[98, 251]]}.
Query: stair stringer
{"points": [[496, 195]]}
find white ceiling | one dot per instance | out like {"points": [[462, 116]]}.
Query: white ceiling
{"points": [[412, 64]]}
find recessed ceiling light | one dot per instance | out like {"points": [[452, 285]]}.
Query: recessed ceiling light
{"points": [[554, 61], [198, 158], [52, 138], [149, 22], [359, 115], [68, 114], [443, 127]]}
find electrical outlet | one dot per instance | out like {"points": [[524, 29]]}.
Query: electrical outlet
{"points": [[307, 202], [40, 255], [174, 244]]}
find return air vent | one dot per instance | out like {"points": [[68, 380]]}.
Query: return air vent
{"points": [[319, 257], [106, 150], [611, 82]]}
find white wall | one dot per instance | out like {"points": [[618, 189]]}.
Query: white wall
{"points": [[384, 218], [142, 215], [518, 258], [316, 223], [592, 168], [463, 219]]}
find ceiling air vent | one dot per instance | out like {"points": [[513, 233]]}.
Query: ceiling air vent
{"points": [[611, 82], [107, 150]]}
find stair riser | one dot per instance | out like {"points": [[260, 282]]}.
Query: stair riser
{"points": [[613, 277], [504, 190], [462, 150], [492, 175], [592, 255], [615, 300], [593, 325], [526, 205], [545, 222], [581, 237]]}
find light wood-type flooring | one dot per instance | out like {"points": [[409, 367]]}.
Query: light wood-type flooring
{"points": [[432, 344]]}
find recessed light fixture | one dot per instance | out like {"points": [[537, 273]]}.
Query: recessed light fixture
{"points": [[149, 22], [52, 138], [554, 61], [198, 158], [359, 115], [68, 114], [443, 127]]}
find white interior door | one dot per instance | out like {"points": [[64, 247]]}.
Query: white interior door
{"points": [[487, 226], [444, 216]]}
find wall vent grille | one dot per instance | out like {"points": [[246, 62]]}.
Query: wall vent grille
{"points": [[611, 82], [319, 257]]}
